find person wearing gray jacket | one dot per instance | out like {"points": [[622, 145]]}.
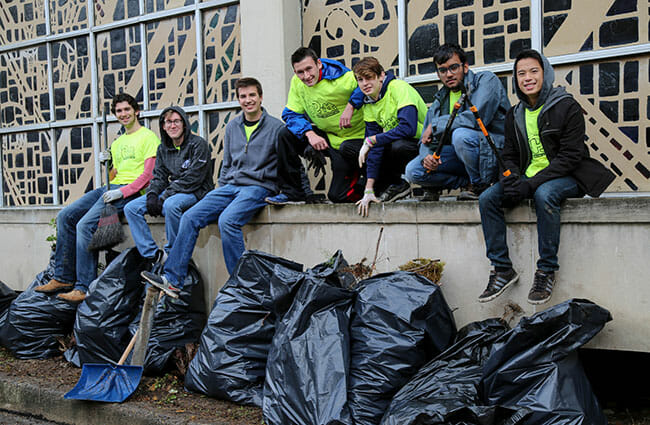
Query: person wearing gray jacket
{"points": [[181, 177], [248, 175]]}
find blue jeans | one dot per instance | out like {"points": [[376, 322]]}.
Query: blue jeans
{"points": [[467, 144], [75, 225], [233, 206], [450, 174], [547, 198], [173, 208]]}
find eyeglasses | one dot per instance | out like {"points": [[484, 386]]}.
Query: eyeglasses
{"points": [[452, 68], [169, 123]]}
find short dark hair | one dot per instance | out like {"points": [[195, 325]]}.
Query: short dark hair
{"points": [[368, 67], [302, 53], [529, 53], [248, 82], [446, 51], [124, 97]]}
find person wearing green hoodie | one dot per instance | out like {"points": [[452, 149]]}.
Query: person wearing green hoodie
{"points": [[549, 162]]}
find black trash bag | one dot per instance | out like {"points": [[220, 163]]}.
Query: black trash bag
{"points": [[400, 321], [35, 321], [445, 390], [307, 368], [101, 328], [231, 360], [176, 322], [535, 365], [7, 295]]}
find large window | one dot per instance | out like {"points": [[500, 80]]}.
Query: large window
{"points": [[62, 62]]}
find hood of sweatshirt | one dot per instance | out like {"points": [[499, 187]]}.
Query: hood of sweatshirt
{"points": [[164, 138]]}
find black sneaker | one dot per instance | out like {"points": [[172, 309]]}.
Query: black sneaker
{"points": [[497, 283], [472, 192], [395, 192], [542, 287], [160, 282]]}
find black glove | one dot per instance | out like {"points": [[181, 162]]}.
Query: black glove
{"points": [[515, 190], [154, 205], [316, 160]]}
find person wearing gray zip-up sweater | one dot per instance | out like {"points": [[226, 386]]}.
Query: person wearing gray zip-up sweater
{"points": [[181, 177], [547, 160], [248, 175]]}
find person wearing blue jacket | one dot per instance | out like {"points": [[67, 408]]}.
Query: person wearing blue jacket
{"points": [[182, 176], [248, 175], [320, 122], [468, 160], [394, 114]]}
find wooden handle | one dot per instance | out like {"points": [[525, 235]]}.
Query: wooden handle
{"points": [[128, 349]]}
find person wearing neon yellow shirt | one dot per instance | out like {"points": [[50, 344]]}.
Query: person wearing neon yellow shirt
{"points": [[549, 162], [394, 115], [320, 122], [133, 156]]}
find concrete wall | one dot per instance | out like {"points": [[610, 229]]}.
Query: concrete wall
{"points": [[603, 252]]}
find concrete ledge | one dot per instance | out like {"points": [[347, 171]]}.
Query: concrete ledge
{"points": [[29, 398], [603, 251]]}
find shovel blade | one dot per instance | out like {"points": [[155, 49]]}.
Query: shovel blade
{"points": [[108, 383]]}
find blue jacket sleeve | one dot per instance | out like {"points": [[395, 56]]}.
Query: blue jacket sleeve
{"points": [[356, 98], [297, 123], [372, 128], [406, 129]]}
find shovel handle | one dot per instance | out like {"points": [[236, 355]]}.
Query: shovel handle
{"points": [[128, 349]]}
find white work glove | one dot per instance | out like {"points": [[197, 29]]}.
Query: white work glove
{"points": [[363, 153], [112, 195], [104, 156], [364, 204]]}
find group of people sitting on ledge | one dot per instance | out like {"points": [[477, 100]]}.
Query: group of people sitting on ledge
{"points": [[380, 139]]}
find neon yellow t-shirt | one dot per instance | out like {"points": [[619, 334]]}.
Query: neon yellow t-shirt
{"points": [[129, 152], [398, 95], [453, 98], [539, 160], [324, 102], [249, 129]]}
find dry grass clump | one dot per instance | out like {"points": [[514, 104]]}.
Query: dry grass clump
{"points": [[431, 269]]}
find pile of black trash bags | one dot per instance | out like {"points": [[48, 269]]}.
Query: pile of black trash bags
{"points": [[35, 325], [318, 347]]}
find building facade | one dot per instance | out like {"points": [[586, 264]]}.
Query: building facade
{"points": [[62, 61]]}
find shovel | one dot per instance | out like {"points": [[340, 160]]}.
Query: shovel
{"points": [[114, 384]]}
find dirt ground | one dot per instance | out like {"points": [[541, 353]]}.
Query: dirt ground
{"points": [[166, 393]]}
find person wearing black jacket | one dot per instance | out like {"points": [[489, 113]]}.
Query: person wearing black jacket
{"points": [[549, 162], [181, 177]]}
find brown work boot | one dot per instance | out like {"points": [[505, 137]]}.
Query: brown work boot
{"points": [[75, 296], [52, 286]]}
